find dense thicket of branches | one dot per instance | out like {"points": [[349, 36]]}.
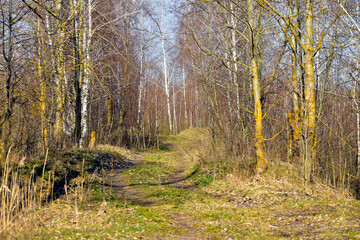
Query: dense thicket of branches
{"points": [[270, 80], [305, 55]]}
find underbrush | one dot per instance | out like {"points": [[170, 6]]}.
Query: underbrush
{"points": [[279, 184], [29, 185], [231, 176]]}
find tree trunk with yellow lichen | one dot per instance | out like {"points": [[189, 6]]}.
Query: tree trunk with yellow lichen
{"points": [[255, 74], [309, 135], [260, 156], [294, 118]]}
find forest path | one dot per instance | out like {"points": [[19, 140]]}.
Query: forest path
{"points": [[168, 194], [172, 168]]}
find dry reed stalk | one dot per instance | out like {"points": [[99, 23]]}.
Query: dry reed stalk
{"points": [[5, 191], [66, 189], [42, 178], [16, 195]]}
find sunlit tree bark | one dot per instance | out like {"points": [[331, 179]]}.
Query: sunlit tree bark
{"points": [[59, 73], [85, 84], [234, 56], [165, 70], [309, 106], [141, 80], [295, 118], [77, 23], [184, 95], [256, 84], [308, 140], [42, 80]]}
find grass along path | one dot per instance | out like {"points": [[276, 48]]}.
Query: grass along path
{"points": [[165, 195]]}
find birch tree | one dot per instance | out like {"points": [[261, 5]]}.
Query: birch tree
{"points": [[141, 76], [59, 72], [42, 80], [76, 25], [184, 96], [165, 66], [85, 84], [234, 56]]}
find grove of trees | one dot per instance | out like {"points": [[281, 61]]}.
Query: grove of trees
{"points": [[270, 80]]}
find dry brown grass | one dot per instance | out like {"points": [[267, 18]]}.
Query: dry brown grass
{"points": [[18, 194], [26, 198], [114, 149], [279, 184], [234, 178]]}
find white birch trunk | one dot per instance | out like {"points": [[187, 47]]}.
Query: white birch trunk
{"points": [[156, 120], [196, 110], [357, 112], [141, 85], [358, 131], [229, 86], [52, 59], [184, 92], [234, 61], [60, 75], [174, 108], [166, 79], [85, 85]]}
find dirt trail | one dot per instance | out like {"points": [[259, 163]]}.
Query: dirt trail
{"points": [[121, 188], [134, 193]]}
